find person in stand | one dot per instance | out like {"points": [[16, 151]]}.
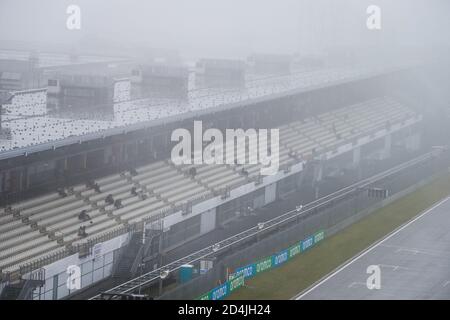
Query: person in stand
{"points": [[97, 188], [193, 171], [244, 172], [62, 193], [109, 199], [83, 216], [82, 232], [118, 204], [134, 191]]}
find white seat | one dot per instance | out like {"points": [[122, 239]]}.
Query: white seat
{"points": [[138, 216], [15, 232], [37, 201], [42, 250], [18, 240], [23, 246], [48, 205]]}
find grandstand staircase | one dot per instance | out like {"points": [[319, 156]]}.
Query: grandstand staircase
{"points": [[131, 258], [308, 173], [11, 291], [23, 288]]}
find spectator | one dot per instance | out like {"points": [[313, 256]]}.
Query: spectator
{"points": [[97, 188], [193, 171], [62, 192], [134, 191], [244, 172], [109, 199], [82, 232], [83, 216], [118, 204]]}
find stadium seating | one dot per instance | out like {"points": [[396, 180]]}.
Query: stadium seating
{"points": [[47, 224]]}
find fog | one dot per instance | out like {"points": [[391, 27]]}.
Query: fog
{"points": [[226, 28], [127, 155]]}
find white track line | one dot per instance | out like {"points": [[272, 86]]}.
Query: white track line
{"points": [[301, 295]]}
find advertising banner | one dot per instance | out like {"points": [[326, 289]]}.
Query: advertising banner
{"points": [[280, 258], [219, 292], [294, 250], [248, 272], [307, 243], [264, 265]]}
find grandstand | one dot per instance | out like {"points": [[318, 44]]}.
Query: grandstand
{"points": [[51, 221]]}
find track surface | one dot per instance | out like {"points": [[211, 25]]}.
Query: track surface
{"points": [[414, 263]]}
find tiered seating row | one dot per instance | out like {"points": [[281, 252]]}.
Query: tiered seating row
{"points": [[48, 223]]}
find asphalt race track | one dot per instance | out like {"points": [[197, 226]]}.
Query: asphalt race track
{"points": [[414, 263]]}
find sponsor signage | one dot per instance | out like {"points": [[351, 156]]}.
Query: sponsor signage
{"points": [[264, 265], [307, 243], [280, 258], [237, 279]]}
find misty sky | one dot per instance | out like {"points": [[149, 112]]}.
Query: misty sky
{"points": [[226, 27]]}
